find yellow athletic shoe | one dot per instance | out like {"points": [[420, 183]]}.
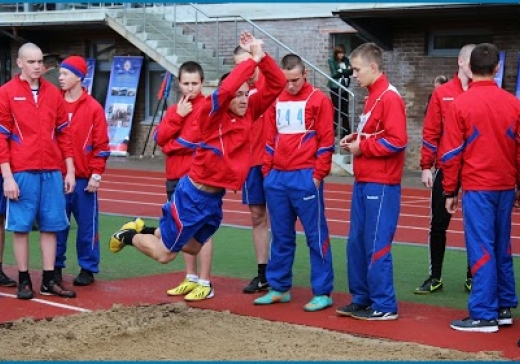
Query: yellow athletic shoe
{"points": [[200, 293], [116, 241], [137, 225], [185, 287]]}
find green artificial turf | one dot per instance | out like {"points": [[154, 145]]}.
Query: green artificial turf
{"points": [[234, 257]]}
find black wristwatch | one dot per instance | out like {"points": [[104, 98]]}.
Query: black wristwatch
{"points": [[449, 195]]}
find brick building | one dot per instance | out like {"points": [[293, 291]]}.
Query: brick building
{"points": [[421, 42]]}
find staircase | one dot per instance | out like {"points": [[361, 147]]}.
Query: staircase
{"points": [[165, 41], [159, 33]]}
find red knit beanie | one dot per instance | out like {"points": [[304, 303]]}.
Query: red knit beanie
{"points": [[76, 65]]}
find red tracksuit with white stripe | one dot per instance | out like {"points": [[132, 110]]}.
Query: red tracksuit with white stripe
{"points": [[442, 97], [178, 137], [88, 130], [33, 136], [222, 159], [376, 197], [224, 156], [300, 143], [481, 145]]}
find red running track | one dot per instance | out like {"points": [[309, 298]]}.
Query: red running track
{"points": [[141, 193]]}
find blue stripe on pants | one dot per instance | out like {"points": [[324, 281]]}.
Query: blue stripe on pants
{"points": [[374, 214], [487, 226]]}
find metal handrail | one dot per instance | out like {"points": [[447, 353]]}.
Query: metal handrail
{"points": [[352, 96]]}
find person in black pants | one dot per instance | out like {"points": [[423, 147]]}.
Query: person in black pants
{"points": [[438, 106]]}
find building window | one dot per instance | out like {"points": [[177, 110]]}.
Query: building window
{"points": [[446, 43]]}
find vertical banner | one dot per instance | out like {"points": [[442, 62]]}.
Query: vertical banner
{"points": [[517, 91], [500, 74], [120, 104], [89, 78]]}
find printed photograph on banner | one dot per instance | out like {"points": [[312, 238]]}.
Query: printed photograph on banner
{"points": [[500, 74], [88, 81], [120, 103]]}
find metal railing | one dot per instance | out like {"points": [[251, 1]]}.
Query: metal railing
{"points": [[206, 30]]}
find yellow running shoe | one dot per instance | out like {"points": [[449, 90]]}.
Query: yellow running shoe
{"points": [[116, 241], [137, 225], [185, 287], [200, 293]]}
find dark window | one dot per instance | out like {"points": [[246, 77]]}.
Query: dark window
{"points": [[449, 42]]}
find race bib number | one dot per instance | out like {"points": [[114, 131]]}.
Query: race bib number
{"points": [[290, 117]]}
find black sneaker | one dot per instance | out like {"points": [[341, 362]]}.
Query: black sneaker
{"points": [[84, 278], [58, 276], [430, 285], [505, 317], [468, 284], [372, 315], [470, 325], [56, 289], [349, 309], [5, 281], [25, 291], [256, 285]]}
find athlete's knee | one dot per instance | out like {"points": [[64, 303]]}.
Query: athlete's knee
{"points": [[165, 258], [258, 215]]}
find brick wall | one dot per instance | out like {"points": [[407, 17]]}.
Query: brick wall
{"points": [[408, 66]]}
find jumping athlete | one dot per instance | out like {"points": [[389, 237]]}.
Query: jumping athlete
{"points": [[222, 161]]}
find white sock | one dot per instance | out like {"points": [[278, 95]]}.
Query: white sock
{"points": [[192, 277], [205, 283]]}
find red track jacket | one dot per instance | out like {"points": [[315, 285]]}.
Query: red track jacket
{"points": [[384, 137], [88, 130], [481, 140], [33, 136], [223, 158], [441, 99], [290, 147], [179, 137]]}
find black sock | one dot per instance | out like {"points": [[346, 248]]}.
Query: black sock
{"points": [[148, 230], [0, 266], [261, 271], [48, 275], [24, 277], [128, 236]]}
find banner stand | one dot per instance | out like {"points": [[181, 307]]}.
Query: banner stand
{"points": [[120, 103]]}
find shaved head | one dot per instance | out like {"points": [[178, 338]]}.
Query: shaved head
{"points": [[30, 61], [26, 48], [465, 52]]}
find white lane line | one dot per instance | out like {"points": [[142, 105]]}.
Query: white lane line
{"points": [[54, 304]]}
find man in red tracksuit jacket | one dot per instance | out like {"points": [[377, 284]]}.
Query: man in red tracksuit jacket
{"points": [[379, 152], [481, 146], [34, 141], [178, 135], [440, 101], [253, 193], [88, 129], [194, 212], [300, 143]]}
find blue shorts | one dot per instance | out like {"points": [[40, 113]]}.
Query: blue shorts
{"points": [[42, 197], [253, 188], [3, 199], [190, 213]]}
